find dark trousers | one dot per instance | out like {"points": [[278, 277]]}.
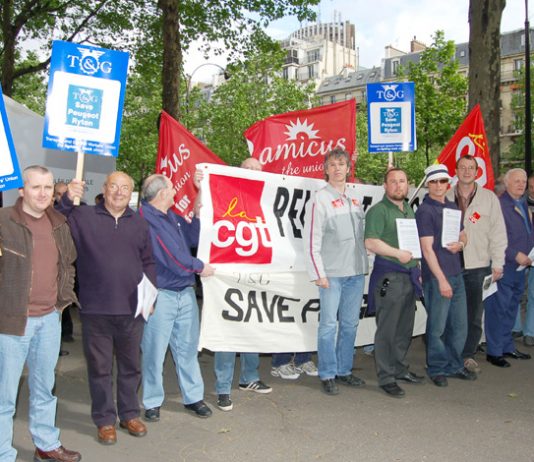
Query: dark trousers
{"points": [[67, 327], [501, 311], [395, 314], [473, 280], [103, 337]]}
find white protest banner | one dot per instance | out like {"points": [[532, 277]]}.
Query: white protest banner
{"points": [[261, 298]]}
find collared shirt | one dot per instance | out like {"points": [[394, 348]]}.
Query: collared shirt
{"points": [[429, 218], [380, 223]]}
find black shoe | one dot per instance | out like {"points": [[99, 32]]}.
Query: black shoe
{"points": [[224, 403], [350, 380], [517, 355], [440, 380], [199, 408], [330, 387], [481, 347], [63, 353], [498, 361], [517, 334], [152, 415], [410, 377], [392, 389], [464, 374]]}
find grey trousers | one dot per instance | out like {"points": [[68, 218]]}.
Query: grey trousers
{"points": [[395, 314]]}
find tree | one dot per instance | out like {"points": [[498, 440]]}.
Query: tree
{"points": [[29, 22], [439, 95], [228, 22], [255, 90], [485, 68]]}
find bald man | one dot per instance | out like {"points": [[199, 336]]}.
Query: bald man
{"points": [[114, 250]]}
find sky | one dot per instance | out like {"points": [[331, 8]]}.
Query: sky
{"points": [[380, 23]]}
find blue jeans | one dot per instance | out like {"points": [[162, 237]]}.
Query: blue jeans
{"points": [[340, 303], [528, 326], [446, 327], [279, 359], [174, 324], [224, 364], [39, 349], [501, 312]]}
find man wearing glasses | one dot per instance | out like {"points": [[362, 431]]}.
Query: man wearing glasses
{"points": [[443, 284], [486, 233], [114, 251]]}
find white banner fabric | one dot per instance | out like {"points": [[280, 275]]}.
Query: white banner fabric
{"points": [[261, 298]]}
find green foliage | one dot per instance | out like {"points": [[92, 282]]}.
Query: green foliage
{"points": [[440, 97], [255, 90]]}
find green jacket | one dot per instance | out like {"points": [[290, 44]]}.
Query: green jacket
{"points": [[16, 246]]}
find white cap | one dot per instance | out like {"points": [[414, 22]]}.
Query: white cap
{"points": [[436, 172]]}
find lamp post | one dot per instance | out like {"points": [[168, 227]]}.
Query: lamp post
{"points": [[188, 82], [528, 112]]}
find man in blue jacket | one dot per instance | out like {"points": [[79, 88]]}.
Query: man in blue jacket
{"points": [[175, 321], [501, 307]]}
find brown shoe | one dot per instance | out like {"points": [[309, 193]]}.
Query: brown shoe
{"points": [[134, 426], [60, 455], [107, 434]]}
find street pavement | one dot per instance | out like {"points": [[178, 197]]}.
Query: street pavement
{"points": [[489, 420]]}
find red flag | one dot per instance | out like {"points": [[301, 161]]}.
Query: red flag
{"points": [[295, 143], [178, 153], [470, 139]]}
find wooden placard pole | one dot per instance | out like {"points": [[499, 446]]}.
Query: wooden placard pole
{"points": [[79, 171]]}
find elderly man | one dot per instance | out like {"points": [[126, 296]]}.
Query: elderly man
{"points": [[486, 236], [114, 251], [501, 307], [443, 284], [175, 321], [36, 282], [393, 284]]}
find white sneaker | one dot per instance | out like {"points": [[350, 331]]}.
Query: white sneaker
{"points": [[285, 371], [309, 368], [471, 365]]}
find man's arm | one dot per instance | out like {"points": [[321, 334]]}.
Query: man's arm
{"points": [[383, 249], [432, 261], [312, 239]]}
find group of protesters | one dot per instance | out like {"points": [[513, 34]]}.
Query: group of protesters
{"points": [[111, 248]]}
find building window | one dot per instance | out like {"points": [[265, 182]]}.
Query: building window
{"points": [[396, 65], [285, 73], [518, 64], [313, 55], [311, 72], [462, 53], [332, 99]]}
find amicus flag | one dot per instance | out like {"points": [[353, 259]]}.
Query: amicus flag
{"points": [[470, 138], [178, 153], [295, 143]]}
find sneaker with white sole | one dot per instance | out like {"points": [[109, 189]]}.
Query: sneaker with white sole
{"points": [[258, 387], [224, 403], [309, 368], [285, 371]]}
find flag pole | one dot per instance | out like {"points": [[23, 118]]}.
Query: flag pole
{"points": [[79, 170]]}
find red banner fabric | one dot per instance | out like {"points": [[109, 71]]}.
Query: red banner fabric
{"points": [[470, 138], [178, 153], [295, 143]]}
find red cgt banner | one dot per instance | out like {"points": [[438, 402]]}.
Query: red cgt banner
{"points": [[470, 138], [295, 143], [178, 153]]}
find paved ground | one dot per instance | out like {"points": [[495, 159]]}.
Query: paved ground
{"points": [[489, 420]]}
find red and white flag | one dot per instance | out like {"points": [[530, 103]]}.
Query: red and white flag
{"points": [[470, 138], [295, 143], [178, 153]]}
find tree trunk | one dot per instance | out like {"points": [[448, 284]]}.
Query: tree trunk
{"points": [[485, 68], [8, 58], [172, 57]]}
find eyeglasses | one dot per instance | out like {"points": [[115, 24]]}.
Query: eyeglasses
{"points": [[471, 168], [115, 187], [384, 287], [441, 181]]}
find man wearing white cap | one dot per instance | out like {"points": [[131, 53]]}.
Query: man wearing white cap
{"points": [[443, 284]]}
